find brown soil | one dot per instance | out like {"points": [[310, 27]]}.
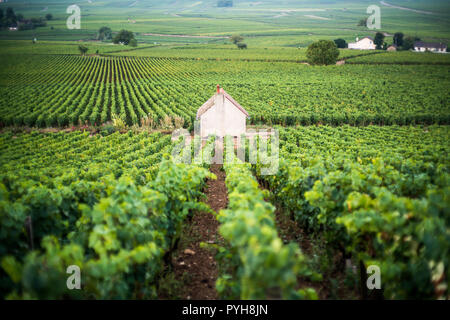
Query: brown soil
{"points": [[199, 262], [290, 232]]}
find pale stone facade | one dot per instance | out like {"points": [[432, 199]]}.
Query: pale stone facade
{"points": [[222, 116], [363, 44], [420, 46]]}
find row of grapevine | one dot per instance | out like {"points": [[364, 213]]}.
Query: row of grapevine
{"points": [[110, 205], [90, 89], [260, 266], [380, 195]]}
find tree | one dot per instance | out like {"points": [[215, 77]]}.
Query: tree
{"points": [[49, 16], [241, 45], [236, 39], [104, 33], [379, 40], [322, 52], [11, 18], [2, 16], [408, 43], [20, 17], [362, 22], [83, 49], [398, 39], [133, 43], [340, 43], [124, 37]]}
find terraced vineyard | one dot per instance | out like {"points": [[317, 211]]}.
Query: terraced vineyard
{"points": [[48, 91]]}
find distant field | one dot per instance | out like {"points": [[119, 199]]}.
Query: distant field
{"points": [[229, 52], [203, 52], [305, 19], [59, 47], [403, 57]]}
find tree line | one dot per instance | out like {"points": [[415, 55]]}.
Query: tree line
{"points": [[399, 40], [124, 37], [10, 19]]}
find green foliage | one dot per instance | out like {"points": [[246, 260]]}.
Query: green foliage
{"points": [[379, 40], [407, 238], [117, 230], [402, 58], [104, 33], [118, 122], [340, 43], [408, 43], [83, 50], [133, 43], [107, 129], [95, 88], [322, 52], [236, 38], [362, 22], [10, 18], [398, 39], [49, 16], [124, 36], [242, 45], [262, 267], [378, 194]]}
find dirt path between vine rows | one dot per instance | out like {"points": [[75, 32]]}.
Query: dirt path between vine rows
{"points": [[193, 265], [332, 286]]}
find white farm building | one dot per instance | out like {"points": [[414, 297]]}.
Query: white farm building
{"points": [[420, 46], [222, 116], [365, 43]]}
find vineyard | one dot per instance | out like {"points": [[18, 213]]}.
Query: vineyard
{"points": [[95, 174], [377, 194], [115, 204], [403, 57], [61, 91], [109, 204], [229, 53]]}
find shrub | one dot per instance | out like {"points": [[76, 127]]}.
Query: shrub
{"points": [[322, 52], [118, 123]]}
